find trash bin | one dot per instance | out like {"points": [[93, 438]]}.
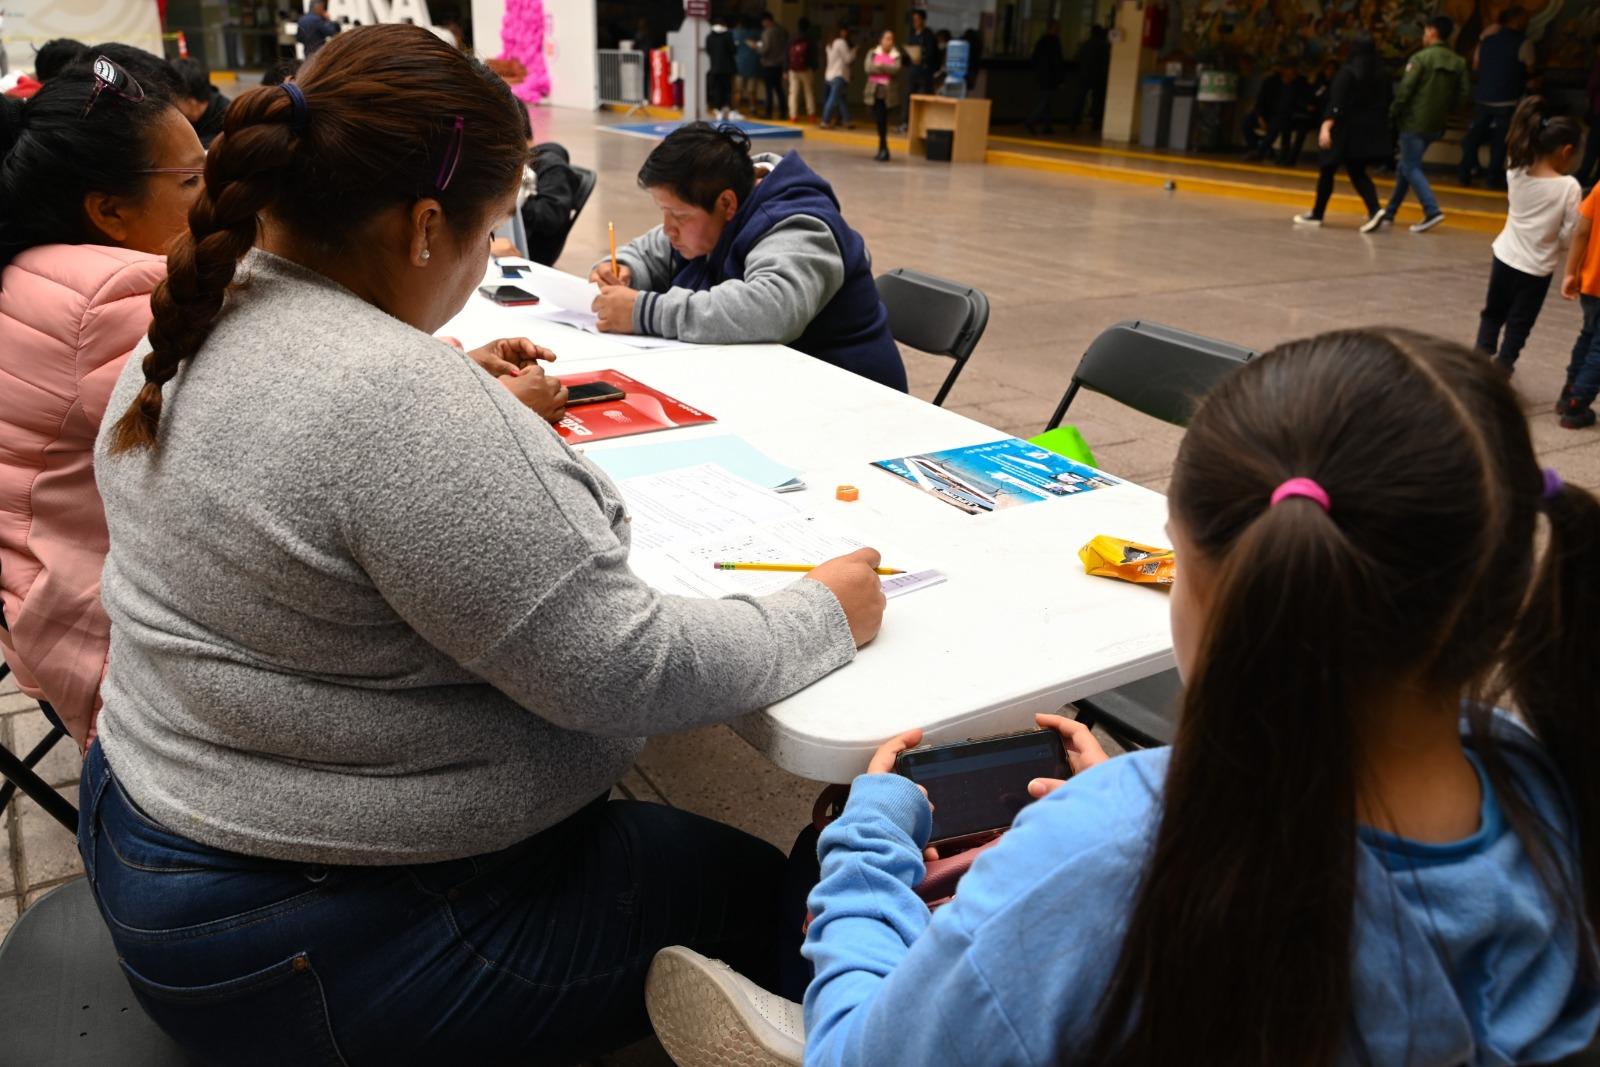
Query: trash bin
{"points": [[941, 144], [1181, 128], [1155, 110]]}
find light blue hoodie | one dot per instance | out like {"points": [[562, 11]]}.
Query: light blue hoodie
{"points": [[1012, 970]]}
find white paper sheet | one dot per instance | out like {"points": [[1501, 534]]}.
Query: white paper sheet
{"points": [[688, 519]]}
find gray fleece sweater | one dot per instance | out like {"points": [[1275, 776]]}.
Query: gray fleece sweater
{"points": [[367, 608], [789, 276]]}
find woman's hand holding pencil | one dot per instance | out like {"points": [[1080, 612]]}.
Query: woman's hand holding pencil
{"points": [[853, 579]]}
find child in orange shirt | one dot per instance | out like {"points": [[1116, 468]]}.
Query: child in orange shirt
{"points": [[1582, 283]]}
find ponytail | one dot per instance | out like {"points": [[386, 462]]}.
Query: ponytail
{"points": [[1263, 837], [1534, 134], [242, 174], [1554, 672]]}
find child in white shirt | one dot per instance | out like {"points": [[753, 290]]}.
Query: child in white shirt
{"points": [[1543, 212]]}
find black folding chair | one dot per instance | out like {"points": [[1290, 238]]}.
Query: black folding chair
{"points": [[1163, 372], [1159, 370], [63, 997], [580, 197], [936, 316]]}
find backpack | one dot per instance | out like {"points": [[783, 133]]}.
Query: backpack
{"points": [[800, 54]]}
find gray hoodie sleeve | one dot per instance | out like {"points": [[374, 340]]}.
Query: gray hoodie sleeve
{"points": [[649, 256], [508, 552], [789, 276]]}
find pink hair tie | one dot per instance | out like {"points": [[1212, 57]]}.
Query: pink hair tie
{"points": [[1302, 487]]}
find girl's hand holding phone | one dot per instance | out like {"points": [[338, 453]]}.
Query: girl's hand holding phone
{"points": [[1083, 750]]}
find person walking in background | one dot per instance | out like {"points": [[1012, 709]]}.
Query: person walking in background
{"points": [[1049, 68], [719, 70], [773, 48], [1434, 85], [922, 60], [1263, 121], [1582, 283], [841, 53], [747, 82], [315, 27], [1094, 67], [1503, 61], [1587, 173], [1544, 211], [802, 88], [1355, 131], [883, 69]]}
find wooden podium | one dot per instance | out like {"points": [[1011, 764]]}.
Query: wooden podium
{"points": [[967, 119]]}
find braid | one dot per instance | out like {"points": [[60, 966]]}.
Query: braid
{"points": [[243, 170]]}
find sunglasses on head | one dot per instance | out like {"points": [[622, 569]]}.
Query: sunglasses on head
{"points": [[108, 75]]}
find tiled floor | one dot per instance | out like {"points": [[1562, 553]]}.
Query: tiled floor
{"points": [[1060, 258]]}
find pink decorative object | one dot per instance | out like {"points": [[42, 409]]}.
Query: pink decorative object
{"points": [[522, 40]]}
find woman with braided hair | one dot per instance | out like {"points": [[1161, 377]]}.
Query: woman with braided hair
{"points": [[97, 175], [377, 654]]}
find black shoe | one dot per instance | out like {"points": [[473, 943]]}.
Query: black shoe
{"points": [[1504, 366], [882, 156], [1566, 395], [1577, 414]]}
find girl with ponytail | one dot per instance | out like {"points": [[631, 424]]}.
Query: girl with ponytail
{"points": [[1347, 855], [378, 655], [97, 172], [1540, 150]]}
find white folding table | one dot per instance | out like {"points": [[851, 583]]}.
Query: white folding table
{"points": [[1018, 628]]}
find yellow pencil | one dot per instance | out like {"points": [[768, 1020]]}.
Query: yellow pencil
{"points": [[611, 226], [794, 567]]}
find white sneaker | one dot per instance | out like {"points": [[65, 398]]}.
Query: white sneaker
{"points": [[734, 116], [706, 1014], [1376, 222], [1428, 223], [1307, 220]]}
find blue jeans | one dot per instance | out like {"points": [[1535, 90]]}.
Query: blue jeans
{"points": [[1583, 372], [1412, 148], [838, 89], [534, 954]]}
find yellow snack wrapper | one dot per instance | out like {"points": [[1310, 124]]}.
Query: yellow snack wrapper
{"points": [[1112, 557]]}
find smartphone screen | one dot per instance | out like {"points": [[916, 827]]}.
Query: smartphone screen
{"points": [[510, 295], [593, 393], [976, 786]]}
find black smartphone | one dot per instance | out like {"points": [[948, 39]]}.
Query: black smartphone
{"points": [[977, 787], [509, 295], [593, 393]]}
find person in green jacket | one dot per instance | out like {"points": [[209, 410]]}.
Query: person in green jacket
{"points": [[1435, 84]]}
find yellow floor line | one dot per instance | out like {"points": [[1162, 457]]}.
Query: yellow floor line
{"points": [[1342, 203], [1131, 152]]}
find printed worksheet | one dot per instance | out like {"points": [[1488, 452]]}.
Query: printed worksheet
{"points": [[685, 521]]}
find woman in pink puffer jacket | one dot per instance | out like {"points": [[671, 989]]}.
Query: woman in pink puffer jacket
{"points": [[87, 206]]}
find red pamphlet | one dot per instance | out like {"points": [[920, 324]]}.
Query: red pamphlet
{"points": [[642, 410]]}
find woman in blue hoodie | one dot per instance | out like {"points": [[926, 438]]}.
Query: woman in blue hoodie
{"points": [[1347, 856], [742, 257]]}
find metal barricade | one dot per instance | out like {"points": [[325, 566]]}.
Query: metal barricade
{"points": [[622, 78]]}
